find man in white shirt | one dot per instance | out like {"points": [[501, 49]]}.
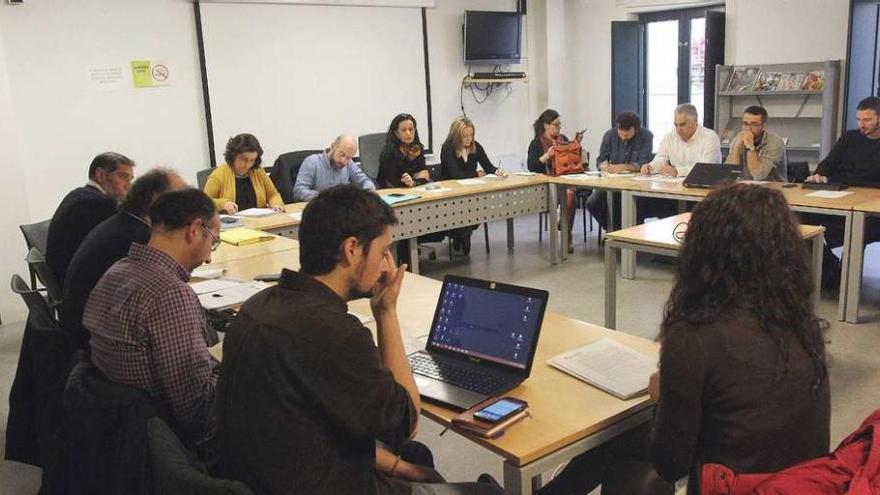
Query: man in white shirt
{"points": [[691, 143]]}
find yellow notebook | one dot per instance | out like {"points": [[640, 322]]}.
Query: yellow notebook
{"points": [[241, 236]]}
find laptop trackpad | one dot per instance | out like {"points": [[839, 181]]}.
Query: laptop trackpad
{"points": [[447, 394]]}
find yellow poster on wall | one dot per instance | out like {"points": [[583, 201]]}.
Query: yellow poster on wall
{"points": [[149, 74]]}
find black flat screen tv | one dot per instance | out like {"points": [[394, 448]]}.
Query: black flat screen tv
{"points": [[492, 37]]}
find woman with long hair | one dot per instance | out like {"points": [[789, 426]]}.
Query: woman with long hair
{"points": [[459, 157], [402, 160], [542, 151], [743, 379]]}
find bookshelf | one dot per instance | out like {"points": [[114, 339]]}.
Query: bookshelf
{"points": [[803, 113]]}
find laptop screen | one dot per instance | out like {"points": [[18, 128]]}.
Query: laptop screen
{"points": [[489, 321]]}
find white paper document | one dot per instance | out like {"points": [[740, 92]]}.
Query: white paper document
{"points": [[231, 296], [525, 174], [206, 273], [470, 182], [579, 176], [657, 178], [829, 194], [624, 174], [206, 286], [433, 190], [298, 216], [610, 366], [256, 212]]}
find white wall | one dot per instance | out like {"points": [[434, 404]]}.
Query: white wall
{"points": [[783, 31], [64, 123], [502, 122], [15, 210]]}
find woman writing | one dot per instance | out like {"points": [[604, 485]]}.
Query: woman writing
{"points": [[241, 183]]}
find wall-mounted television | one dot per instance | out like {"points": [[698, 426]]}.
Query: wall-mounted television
{"points": [[492, 37]]}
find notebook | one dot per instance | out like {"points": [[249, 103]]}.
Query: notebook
{"points": [[607, 365], [241, 236], [395, 198], [256, 212], [482, 341]]}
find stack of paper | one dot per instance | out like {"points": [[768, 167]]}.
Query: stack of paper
{"points": [[256, 212], [228, 294], [610, 366], [241, 236]]}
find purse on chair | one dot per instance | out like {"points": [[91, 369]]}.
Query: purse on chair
{"points": [[567, 159]]}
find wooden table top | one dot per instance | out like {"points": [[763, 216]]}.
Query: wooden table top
{"points": [[564, 409], [228, 252], [870, 206], [660, 233], [454, 188]]}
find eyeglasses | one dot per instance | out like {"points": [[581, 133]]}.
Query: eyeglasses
{"points": [[215, 241]]}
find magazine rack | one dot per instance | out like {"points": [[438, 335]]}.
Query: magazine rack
{"points": [[801, 98]]}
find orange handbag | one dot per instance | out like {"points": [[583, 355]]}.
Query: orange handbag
{"points": [[567, 159]]}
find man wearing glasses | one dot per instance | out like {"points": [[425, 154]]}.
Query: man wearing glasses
{"points": [[110, 176], [146, 323], [760, 150]]}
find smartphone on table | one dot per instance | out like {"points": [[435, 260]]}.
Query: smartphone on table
{"points": [[500, 410]]}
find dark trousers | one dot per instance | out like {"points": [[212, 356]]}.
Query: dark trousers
{"points": [[622, 466], [597, 204]]}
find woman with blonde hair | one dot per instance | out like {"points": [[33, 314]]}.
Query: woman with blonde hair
{"points": [[459, 157]]}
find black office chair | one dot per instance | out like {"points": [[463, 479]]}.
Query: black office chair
{"points": [[35, 236], [202, 177], [369, 148], [285, 170], [177, 470], [35, 397], [798, 171], [37, 262]]}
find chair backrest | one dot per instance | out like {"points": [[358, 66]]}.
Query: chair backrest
{"points": [[782, 169], [40, 316], [369, 148], [797, 171], [35, 234], [285, 170], [176, 470], [202, 177], [37, 261]]}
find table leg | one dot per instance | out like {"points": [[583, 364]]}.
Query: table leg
{"points": [[609, 221], [563, 222], [844, 269], [856, 266], [510, 234], [627, 219], [610, 285], [414, 255], [552, 221], [516, 482], [817, 253]]}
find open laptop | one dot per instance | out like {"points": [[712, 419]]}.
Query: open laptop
{"points": [[482, 341], [712, 175]]}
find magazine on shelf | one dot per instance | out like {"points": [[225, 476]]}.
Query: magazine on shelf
{"points": [[743, 79], [814, 81], [791, 81], [768, 81]]}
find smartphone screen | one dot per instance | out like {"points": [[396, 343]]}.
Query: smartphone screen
{"points": [[500, 409]]}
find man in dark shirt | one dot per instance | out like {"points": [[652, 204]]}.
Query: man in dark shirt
{"points": [[855, 161], [304, 393], [110, 175], [624, 148], [108, 243]]}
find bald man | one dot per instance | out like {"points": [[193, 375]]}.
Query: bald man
{"points": [[330, 168]]}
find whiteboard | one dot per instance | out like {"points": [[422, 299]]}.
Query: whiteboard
{"points": [[296, 76]]}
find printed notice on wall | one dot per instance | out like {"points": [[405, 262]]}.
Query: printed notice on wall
{"points": [[150, 74], [106, 77]]}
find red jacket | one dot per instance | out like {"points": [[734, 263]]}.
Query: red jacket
{"points": [[853, 468]]}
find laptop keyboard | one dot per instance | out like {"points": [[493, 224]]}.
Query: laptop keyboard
{"points": [[467, 378]]}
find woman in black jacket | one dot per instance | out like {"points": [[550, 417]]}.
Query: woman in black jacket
{"points": [[402, 161]]}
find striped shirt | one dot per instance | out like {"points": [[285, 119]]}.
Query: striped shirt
{"points": [[148, 332]]}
